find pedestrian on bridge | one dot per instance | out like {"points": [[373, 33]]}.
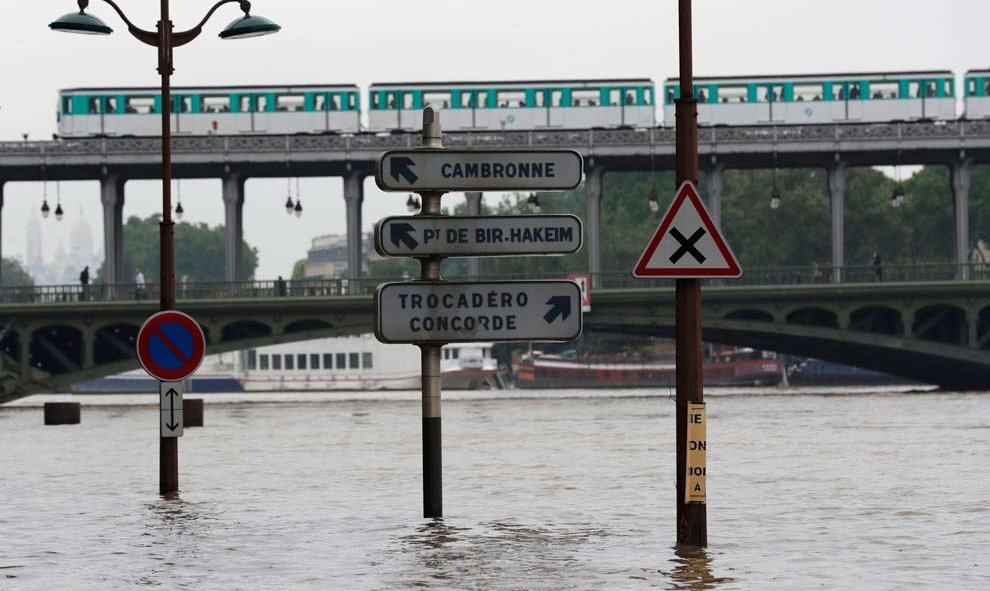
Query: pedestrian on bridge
{"points": [[84, 282], [878, 266], [139, 283]]}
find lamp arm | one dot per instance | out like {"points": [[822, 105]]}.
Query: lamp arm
{"points": [[149, 37], [183, 37]]}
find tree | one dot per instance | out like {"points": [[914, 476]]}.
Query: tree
{"points": [[299, 269], [199, 252], [14, 275]]}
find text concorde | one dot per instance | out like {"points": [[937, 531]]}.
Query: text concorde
{"points": [[478, 236], [466, 170]]}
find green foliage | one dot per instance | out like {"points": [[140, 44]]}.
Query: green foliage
{"points": [[14, 275], [199, 252], [299, 269]]}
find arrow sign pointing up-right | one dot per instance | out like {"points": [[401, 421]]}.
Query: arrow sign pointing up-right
{"points": [[479, 170]]}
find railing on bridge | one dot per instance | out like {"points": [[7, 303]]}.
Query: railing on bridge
{"points": [[318, 288]]}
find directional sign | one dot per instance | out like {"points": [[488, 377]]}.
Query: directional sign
{"points": [[478, 236], [687, 243], [171, 408], [479, 170], [170, 346], [421, 312], [584, 282]]}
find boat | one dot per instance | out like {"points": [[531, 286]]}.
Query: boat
{"points": [[356, 363], [214, 376], [741, 367], [815, 372]]}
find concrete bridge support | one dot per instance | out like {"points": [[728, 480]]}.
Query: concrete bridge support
{"points": [[837, 195], [960, 175], [354, 198], [473, 199], [593, 181], [714, 186], [233, 229], [1, 231], [112, 196]]}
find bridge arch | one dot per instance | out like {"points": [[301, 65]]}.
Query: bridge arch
{"points": [[750, 314], [10, 346], [943, 323], [877, 319], [115, 342], [57, 348], [244, 329], [814, 316]]}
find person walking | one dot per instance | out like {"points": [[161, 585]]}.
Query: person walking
{"points": [[139, 283], [84, 283], [878, 266]]}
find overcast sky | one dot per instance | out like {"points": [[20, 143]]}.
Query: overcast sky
{"points": [[394, 40]]}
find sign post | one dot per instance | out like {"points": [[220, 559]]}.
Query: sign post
{"points": [[432, 312]]}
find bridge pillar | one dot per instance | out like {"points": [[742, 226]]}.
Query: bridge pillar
{"points": [[973, 317], [112, 195], [714, 188], [24, 338], [837, 195], [960, 173], [1, 232], [233, 229], [593, 190], [89, 344], [354, 198], [473, 199]]}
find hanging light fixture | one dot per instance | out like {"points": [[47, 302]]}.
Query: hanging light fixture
{"points": [[289, 207], [179, 211], [534, 202], [58, 201], [45, 210], [298, 208], [654, 200]]}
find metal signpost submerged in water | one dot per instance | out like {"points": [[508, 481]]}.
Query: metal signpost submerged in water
{"points": [[432, 312]]}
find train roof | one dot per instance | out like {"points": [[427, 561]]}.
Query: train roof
{"points": [[823, 76], [127, 89], [970, 72], [511, 82]]}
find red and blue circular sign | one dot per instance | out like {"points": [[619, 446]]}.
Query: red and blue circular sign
{"points": [[170, 346]]}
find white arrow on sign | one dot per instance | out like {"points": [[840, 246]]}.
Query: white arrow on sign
{"points": [[170, 405], [478, 236], [423, 312], [479, 170]]}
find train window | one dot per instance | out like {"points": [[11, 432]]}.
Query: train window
{"points": [[390, 103], [335, 102], [808, 92], [109, 105], [883, 90], [856, 91], [246, 104], [647, 96], [732, 94], [467, 99], [290, 362], [839, 92], [439, 99], [671, 95], [367, 360], [290, 102], [540, 98], [585, 98], [320, 102], [614, 97], [770, 93], [556, 98], [374, 101], [67, 105], [140, 105], [216, 104], [276, 362], [328, 361], [947, 88], [262, 361], [94, 106], [511, 99], [970, 87], [352, 101], [407, 100]]}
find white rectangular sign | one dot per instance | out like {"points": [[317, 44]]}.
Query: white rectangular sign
{"points": [[478, 236], [426, 312], [170, 407], [479, 170]]}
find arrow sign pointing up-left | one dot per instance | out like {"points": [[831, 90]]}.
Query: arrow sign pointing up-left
{"points": [[170, 408], [401, 168], [479, 170]]}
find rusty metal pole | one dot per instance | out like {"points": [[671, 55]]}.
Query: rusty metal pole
{"points": [[692, 518], [168, 457]]}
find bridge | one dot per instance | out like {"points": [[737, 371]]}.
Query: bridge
{"points": [[919, 323], [113, 161]]}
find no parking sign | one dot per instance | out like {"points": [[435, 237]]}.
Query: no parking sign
{"points": [[171, 346]]}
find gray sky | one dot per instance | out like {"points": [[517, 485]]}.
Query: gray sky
{"points": [[396, 40]]}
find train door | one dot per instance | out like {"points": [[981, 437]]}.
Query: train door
{"points": [[246, 104], [555, 109], [541, 100], [182, 108]]}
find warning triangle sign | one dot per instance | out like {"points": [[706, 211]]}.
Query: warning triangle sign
{"points": [[687, 244]]}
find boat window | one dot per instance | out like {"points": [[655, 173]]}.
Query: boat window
{"points": [[367, 360], [290, 362], [216, 104], [808, 92], [732, 94], [328, 361], [511, 99], [252, 359], [407, 100], [883, 90], [355, 361], [341, 361], [290, 102], [301, 361], [556, 98], [314, 361], [437, 99], [455, 353], [140, 105], [446, 353], [585, 98], [276, 362], [614, 97], [262, 361]]}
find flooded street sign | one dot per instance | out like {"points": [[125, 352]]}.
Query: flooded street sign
{"points": [[479, 170], [478, 236], [170, 408], [420, 313]]}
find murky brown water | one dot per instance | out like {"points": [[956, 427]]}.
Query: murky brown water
{"points": [[877, 491]]}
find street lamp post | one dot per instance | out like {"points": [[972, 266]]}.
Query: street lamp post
{"points": [[166, 39]]}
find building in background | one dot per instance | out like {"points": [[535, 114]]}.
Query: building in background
{"points": [[65, 263], [327, 257]]}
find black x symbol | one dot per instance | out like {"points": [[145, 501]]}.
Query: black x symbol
{"points": [[687, 245]]}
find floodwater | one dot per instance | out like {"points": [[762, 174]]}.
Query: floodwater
{"points": [[542, 491]]}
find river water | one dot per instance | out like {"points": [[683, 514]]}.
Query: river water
{"points": [[542, 490]]}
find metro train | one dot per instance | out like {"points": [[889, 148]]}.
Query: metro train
{"points": [[526, 105]]}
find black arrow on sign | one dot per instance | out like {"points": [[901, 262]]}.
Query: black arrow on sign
{"points": [[560, 306], [171, 394], [400, 235], [400, 167]]}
